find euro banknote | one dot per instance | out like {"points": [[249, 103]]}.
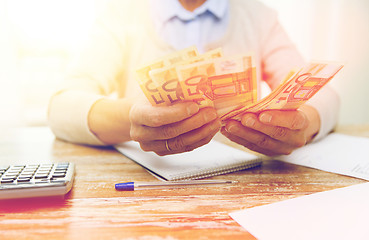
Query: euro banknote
{"points": [[149, 88], [293, 92], [228, 84], [225, 82], [166, 78]]}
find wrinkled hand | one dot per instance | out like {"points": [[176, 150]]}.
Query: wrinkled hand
{"points": [[172, 129], [273, 132]]}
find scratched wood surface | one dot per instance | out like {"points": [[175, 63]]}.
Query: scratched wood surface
{"points": [[94, 210]]}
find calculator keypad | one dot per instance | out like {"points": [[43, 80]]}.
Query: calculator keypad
{"points": [[33, 173], [36, 180]]}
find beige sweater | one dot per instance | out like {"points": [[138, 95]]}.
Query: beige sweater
{"points": [[124, 39]]}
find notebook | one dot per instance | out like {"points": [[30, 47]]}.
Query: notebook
{"points": [[213, 159]]}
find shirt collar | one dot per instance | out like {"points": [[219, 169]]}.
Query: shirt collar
{"points": [[168, 9]]}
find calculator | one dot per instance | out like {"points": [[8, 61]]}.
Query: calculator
{"points": [[36, 180]]}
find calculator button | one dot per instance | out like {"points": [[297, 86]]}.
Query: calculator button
{"points": [[9, 177], [61, 169], [58, 175], [38, 181], [15, 169], [63, 164], [33, 165], [23, 180], [7, 180], [57, 180], [10, 174], [23, 175], [41, 176], [30, 168], [47, 165]]}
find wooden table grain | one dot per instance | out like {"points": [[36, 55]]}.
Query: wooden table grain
{"points": [[95, 210]]}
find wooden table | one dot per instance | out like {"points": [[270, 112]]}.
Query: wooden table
{"points": [[95, 210]]}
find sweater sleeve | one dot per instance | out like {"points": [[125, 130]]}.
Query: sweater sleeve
{"points": [[95, 73], [279, 56], [68, 116], [327, 103]]}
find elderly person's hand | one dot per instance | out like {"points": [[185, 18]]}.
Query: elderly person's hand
{"points": [[274, 132], [172, 129]]}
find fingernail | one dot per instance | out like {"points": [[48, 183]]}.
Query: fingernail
{"points": [[210, 116], [250, 121], [216, 125], [230, 128], [192, 109], [266, 117]]}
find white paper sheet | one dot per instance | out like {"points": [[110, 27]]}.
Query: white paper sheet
{"points": [[336, 214], [337, 153]]}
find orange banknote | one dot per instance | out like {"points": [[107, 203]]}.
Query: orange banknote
{"points": [[149, 87], [166, 78], [294, 92], [226, 82]]}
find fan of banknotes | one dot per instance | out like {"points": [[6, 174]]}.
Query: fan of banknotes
{"points": [[228, 84]]}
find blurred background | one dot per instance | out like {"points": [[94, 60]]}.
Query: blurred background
{"points": [[38, 37]]}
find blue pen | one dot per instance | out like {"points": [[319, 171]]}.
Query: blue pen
{"points": [[131, 186]]}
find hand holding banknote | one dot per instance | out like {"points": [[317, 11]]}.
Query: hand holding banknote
{"points": [[274, 132], [177, 128], [276, 124], [282, 122]]}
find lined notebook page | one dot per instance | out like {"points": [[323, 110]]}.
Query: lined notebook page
{"points": [[212, 159]]}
